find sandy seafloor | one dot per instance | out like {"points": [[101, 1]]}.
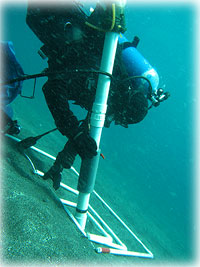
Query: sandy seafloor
{"points": [[37, 230], [146, 176]]}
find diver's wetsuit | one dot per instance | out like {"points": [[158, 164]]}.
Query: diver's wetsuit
{"points": [[84, 54]]}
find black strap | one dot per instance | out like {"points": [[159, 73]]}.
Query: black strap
{"points": [[129, 44], [81, 211], [126, 45]]}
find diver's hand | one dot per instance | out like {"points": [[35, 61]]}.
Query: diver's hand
{"points": [[55, 174], [85, 145]]}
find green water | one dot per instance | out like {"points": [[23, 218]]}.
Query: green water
{"points": [[153, 161]]}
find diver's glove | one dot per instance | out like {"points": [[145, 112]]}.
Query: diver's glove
{"points": [[67, 156], [84, 144], [55, 174], [64, 159]]}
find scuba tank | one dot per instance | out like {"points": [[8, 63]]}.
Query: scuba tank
{"points": [[137, 65]]}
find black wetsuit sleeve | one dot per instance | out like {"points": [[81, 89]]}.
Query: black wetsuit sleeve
{"points": [[58, 105]]}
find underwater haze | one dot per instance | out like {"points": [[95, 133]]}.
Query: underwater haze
{"points": [[151, 163]]}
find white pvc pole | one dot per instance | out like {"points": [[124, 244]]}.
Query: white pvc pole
{"points": [[123, 223], [100, 105], [99, 111]]}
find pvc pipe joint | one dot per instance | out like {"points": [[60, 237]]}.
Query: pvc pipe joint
{"points": [[97, 120]]}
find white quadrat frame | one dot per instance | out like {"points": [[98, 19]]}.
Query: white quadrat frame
{"points": [[108, 238]]}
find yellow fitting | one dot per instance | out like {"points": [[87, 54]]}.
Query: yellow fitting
{"points": [[103, 30]]}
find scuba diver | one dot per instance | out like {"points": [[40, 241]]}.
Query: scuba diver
{"points": [[11, 69], [73, 43]]}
